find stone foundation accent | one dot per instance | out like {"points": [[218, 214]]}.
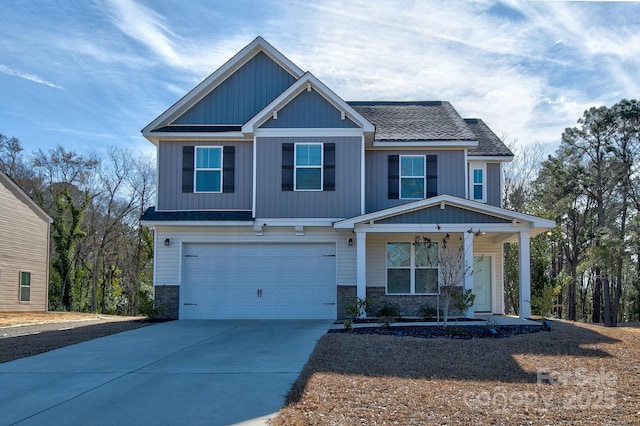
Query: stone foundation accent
{"points": [[409, 304], [346, 295], [167, 297]]}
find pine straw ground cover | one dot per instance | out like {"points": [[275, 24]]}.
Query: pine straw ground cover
{"points": [[573, 374]]}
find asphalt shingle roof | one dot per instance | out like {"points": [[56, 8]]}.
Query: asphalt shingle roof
{"points": [[429, 121], [488, 143], [153, 216], [414, 121]]}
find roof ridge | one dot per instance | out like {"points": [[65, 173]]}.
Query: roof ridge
{"points": [[391, 103]]}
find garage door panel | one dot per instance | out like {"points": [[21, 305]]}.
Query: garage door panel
{"points": [[259, 281]]}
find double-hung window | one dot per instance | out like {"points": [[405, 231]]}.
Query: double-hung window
{"points": [[412, 268], [208, 169], [25, 286], [412, 177], [477, 184], [308, 167]]}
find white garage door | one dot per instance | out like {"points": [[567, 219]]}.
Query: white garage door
{"points": [[267, 281]]}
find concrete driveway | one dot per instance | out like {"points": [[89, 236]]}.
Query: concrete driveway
{"points": [[180, 372]]}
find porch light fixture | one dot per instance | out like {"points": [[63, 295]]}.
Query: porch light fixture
{"points": [[350, 242], [167, 241]]}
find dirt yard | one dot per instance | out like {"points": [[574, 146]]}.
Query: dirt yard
{"points": [[573, 374], [26, 333]]}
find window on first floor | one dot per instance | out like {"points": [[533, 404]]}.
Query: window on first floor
{"points": [[25, 286], [412, 268], [208, 169]]}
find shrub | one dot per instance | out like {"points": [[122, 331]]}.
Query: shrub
{"points": [[388, 313], [348, 325], [464, 301], [427, 311], [357, 308]]}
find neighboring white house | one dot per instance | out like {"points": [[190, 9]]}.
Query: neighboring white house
{"points": [[24, 250]]}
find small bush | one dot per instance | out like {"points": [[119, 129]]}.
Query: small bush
{"points": [[357, 308], [388, 313], [348, 325], [464, 301]]}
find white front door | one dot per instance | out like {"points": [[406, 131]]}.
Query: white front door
{"points": [[482, 283]]}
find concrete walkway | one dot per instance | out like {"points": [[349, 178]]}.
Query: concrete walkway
{"points": [[181, 372]]}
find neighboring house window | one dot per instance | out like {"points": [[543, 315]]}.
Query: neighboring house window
{"points": [[25, 286], [478, 179], [308, 167], [412, 268], [412, 177], [208, 170]]}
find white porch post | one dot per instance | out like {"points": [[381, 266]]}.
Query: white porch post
{"points": [[525, 274], [467, 249], [361, 267]]}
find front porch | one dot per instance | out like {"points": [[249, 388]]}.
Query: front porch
{"points": [[390, 269]]}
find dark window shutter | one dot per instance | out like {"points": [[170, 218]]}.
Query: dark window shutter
{"points": [[187, 168], [287, 166], [394, 177], [329, 167], [432, 175], [228, 168]]}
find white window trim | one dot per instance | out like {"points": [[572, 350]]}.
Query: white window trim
{"points": [[20, 286], [296, 167], [412, 268], [483, 167], [196, 169], [424, 177]]}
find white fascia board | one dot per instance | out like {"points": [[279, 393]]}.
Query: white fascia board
{"points": [[155, 138], [218, 76], [422, 228], [307, 132], [181, 223], [293, 91], [490, 158], [425, 144], [296, 221]]}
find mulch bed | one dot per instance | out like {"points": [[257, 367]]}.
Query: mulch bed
{"points": [[451, 331]]}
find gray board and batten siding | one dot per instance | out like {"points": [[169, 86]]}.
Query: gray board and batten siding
{"points": [[309, 110], [450, 214], [170, 195], [344, 201], [494, 188], [241, 96], [451, 171]]}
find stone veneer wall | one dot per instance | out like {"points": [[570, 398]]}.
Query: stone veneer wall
{"points": [[346, 295], [409, 304], [167, 296]]}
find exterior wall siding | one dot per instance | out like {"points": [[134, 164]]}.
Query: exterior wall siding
{"points": [[170, 195], [309, 110], [451, 172], [272, 202], [242, 95], [450, 214], [494, 187], [24, 246]]}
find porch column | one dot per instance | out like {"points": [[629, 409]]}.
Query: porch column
{"points": [[467, 249], [525, 274], [361, 266]]}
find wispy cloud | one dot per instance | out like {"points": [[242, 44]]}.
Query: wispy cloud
{"points": [[26, 76]]}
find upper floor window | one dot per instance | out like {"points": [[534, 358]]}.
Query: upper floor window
{"points": [[308, 167], [478, 183], [25, 286], [412, 176], [208, 169], [412, 268]]}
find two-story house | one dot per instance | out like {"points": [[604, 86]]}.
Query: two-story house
{"points": [[278, 199]]}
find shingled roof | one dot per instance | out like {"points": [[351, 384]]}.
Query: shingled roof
{"points": [[429, 121], [488, 143]]}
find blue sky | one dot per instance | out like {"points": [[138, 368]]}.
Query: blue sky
{"points": [[90, 74]]}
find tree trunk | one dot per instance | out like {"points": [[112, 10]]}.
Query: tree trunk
{"points": [[597, 297], [606, 292]]}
